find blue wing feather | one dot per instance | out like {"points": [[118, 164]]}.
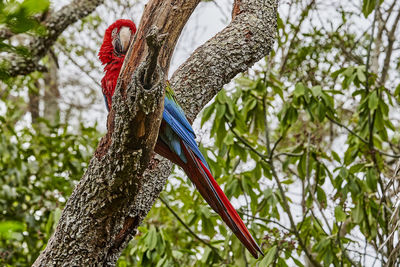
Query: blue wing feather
{"points": [[105, 100], [176, 119], [176, 111]]}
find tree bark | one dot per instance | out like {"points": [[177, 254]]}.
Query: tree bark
{"points": [[116, 192]]}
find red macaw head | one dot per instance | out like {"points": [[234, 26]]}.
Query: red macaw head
{"points": [[117, 39]]}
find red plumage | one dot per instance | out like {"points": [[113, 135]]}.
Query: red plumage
{"points": [[112, 61]]}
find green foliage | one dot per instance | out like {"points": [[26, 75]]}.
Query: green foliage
{"points": [[369, 5], [19, 17], [286, 135], [309, 128], [39, 166]]}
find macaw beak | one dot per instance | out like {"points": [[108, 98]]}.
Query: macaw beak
{"points": [[124, 38]]}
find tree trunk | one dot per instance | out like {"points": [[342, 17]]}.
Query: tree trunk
{"points": [[51, 92], [33, 104], [117, 192]]}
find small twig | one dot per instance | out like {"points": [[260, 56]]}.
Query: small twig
{"points": [[70, 58], [275, 145], [266, 220], [266, 123], [288, 154], [188, 228], [371, 120], [246, 144], [362, 139], [389, 50], [370, 46], [282, 193], [304, 14], [6, 33]]}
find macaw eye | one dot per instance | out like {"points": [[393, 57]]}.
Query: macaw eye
{"points": [[114, 33]]}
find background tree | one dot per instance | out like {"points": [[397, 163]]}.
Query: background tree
{"points": [[307, 143]]}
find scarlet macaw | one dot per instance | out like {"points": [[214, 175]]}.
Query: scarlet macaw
{"points": [[176, 140]]}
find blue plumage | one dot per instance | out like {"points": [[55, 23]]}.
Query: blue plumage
{"points": [[180, 128]]}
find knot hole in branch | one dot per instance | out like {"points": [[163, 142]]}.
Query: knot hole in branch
{"points": [[154, 41]]}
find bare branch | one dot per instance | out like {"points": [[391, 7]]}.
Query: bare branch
{"points": [[389, 50]]}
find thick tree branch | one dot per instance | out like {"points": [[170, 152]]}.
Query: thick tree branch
{"points": [[55, 24], [90, 225], [246, 40], [113, 197]]}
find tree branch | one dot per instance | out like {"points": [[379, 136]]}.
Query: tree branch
{"points": [[90, 225], [55, 24], [113, 197], [389, 50], [246, 40], [188, 228]]}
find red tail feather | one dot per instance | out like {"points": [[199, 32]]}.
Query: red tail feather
{"points": [[244, 232], [215, 197], [212, 193]]}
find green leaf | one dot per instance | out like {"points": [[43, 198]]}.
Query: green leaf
{"points": [[206, 255], [316, 91], [297, 262], [220, 111], [322, 244], [340, 215], [269, 257], [321, 111], [373, 101], [207, 112], [8, 228], [151, 238], [372, 179], [361, 75], [336, 156], [221, 97], [299, 90], [357, 213], [321, 196], [207, 225], [35, 6], [397, 92], [368, 6], [49, 223]]}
